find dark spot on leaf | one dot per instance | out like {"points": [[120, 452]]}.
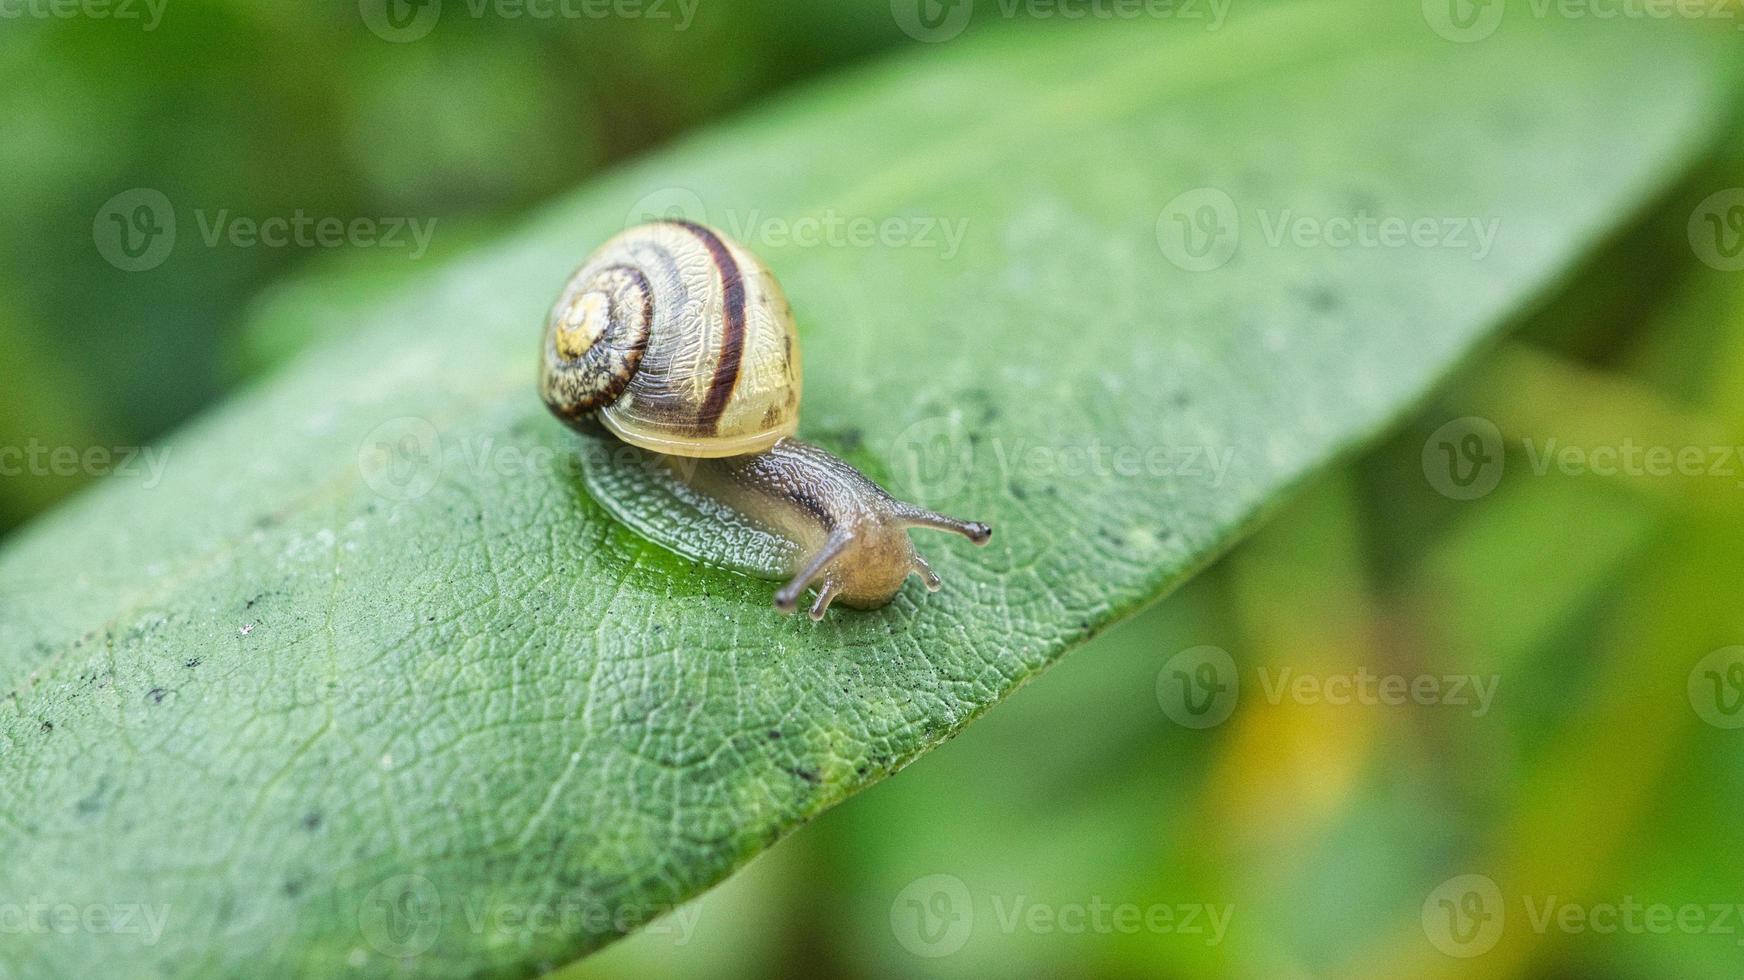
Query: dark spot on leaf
{"points": [[1323, 299], [93, 803], [193, 662], [809, 775], [293, 888], [773, 734], [47, 726], [312, 822], [156, 695]]}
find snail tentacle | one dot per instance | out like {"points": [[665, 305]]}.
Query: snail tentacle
{"points": [[825, 595], [787, 599], [926, 573], [975, 531]]}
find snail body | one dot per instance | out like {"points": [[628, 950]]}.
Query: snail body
{"points": [[680, 343]]}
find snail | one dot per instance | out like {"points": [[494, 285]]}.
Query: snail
{"points": [[679, 342]]}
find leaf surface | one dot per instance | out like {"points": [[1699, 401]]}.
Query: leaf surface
{"points": [[364, 679]]}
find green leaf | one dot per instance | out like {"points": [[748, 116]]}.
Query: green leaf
{"points": [[364, 679]]}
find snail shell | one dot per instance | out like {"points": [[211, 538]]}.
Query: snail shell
{"points": [[679, 340]]}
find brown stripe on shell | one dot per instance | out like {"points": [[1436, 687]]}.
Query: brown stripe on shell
{"points": [[726, 375]]}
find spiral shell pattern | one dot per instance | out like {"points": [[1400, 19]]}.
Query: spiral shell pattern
{"points": [[679, 340]]}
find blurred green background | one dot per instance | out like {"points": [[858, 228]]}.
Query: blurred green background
{"points": [[1331, 834]]}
